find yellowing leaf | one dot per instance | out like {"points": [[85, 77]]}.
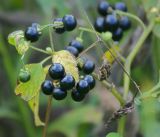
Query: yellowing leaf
{"points": [[68, 61], [17, 39], [110, 55], [31, 88], [34, 105]]}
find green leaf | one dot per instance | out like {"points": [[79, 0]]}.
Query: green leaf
{"points": [[113, 134], [68, 61], [17, 39], [30, 89], [34, 105], [69, 123]]}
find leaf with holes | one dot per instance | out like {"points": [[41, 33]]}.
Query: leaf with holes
{"points": [[30, 89], [17, 39], [68, 61]]}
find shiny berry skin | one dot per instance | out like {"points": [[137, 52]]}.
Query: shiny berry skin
{"points": [[83, 87], [117, 34], [47, 87], [111, 22], [124, 23], [59, 30], [56, 71], [120, 6], [99, 24], [88, 67], [31, 34], [69, 22], [72, 50], [24, 76], [77, 44], [68, 82], [103, 7], [77, 96], [59, 94], [91, 81]]}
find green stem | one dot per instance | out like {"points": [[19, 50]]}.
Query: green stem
{"points": [[39, 50], [46, 59], [115, 93], [127, 67], [131, 16], [51, 39]]}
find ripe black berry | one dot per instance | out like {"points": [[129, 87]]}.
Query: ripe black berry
{"points": [[32, 34], [120, 6], [47, 87], [99, 24], [77, 44], [77, 96], [58, 30], [68, 82], [72, 50], [59, 94], [103, 7], [56, 71], [69, 22], [83, 86], [91, 81], [88, 67], [111, 22], [117, 34], [125, 23], [24, 76]]}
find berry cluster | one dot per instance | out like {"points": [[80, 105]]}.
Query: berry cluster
{"points": [[109, 21], [63, 82], [60, 25]]}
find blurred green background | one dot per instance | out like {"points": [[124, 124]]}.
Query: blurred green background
{"points": [[70, 119]]}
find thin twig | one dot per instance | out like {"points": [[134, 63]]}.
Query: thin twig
{"points": [[39, 50], [47, 116]]}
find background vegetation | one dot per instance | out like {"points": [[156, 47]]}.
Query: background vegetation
{"points": [[70, 119]]}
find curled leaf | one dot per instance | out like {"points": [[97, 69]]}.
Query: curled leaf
{"points": [[17, 39], [68, 61]]}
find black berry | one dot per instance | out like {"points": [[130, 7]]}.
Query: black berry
{"points": [[69, 22], [58, 30], [24, 76], [77, 44], [77, 96], [99, 24], [83, 87], [59, 94], [56, 71], [117, 34], [111, 22], [124, 23], [103, 7], [120, 6], [32, 34], [88, 67], [72, 50], [91, 81], [47, 87], [68, 82]]}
